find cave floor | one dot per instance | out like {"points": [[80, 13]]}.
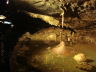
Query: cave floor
{"points": [[34, 52]]}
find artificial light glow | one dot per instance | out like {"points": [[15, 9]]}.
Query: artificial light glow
{"points": [[7, 22], [7, 2], [2, 17]]}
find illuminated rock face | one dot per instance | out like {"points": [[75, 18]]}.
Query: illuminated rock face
{"points": [[59, 49], [80, 57]]}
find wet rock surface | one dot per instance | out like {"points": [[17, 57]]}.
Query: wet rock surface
{"points": [[42, 34], [35, 51]]}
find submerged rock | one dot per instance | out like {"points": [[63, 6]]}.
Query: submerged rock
{"points": [[80, 57]]}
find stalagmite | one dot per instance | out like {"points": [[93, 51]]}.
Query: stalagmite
{"points": [[60, 49]]}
